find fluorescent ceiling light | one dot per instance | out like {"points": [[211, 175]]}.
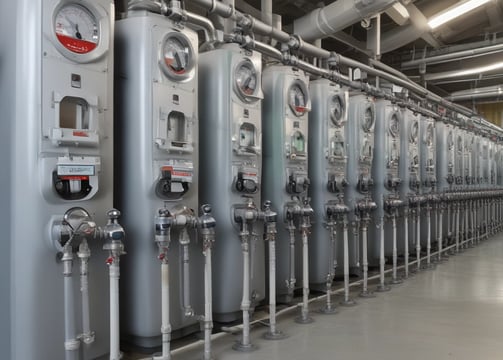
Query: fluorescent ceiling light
{"points": [[461, 73], [454, 12]]}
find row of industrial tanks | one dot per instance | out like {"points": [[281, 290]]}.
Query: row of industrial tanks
{"points": [[298, 180]]}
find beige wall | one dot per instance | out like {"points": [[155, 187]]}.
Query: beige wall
{"points": [[493, 112]]}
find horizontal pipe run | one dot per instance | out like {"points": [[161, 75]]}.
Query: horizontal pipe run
{"points": [[455, 56]]}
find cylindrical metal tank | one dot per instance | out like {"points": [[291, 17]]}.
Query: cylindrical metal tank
{"points": [[427, 171], [409, 173], [230, 166], [285, 160], [158, 131], [327, 171], [385, 173], [360, 153], [57, 154]]}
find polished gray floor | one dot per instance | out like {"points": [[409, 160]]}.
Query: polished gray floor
{"points": [[452, 312]]}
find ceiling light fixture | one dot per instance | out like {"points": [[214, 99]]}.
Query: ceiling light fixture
{"points": [[454, 12], [461, 73]]}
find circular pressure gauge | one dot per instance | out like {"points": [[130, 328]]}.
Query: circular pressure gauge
{"points": [[298, 98], [336, 110], [246, 79], [450, 140], [177, 56], [414, 131], [429, 135], [368, 119], [76, 28], [394, 125]]}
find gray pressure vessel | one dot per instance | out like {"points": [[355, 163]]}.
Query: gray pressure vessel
{"points": [[285, 161], [158, 131], [230, 163], [409, 171], [56, 154], [427, 174], [385, 172], [360, 152], [327, 171]]}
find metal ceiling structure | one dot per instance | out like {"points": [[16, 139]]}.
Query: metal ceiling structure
{"points": [[471, 41]]}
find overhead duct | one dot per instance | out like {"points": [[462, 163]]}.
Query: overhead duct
{"points": [[478, 93], [404, 35], [455, 56], [337, 16]]}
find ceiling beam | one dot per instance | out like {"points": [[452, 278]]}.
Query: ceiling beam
{"points": [[348, 40]]}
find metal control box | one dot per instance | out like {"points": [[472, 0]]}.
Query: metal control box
{"points": [[158, 167], [285, 160], [385, 171], [360, 153], [230, 111], [327, 171], [59, 144]]}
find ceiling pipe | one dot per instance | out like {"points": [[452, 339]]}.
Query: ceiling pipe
{"points": [[461, 55], [478, 93], [296, 43], [325, 21], [404, 35]]}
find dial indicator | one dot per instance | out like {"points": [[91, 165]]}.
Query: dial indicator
{"points": [[336, 110], [177, 56], [394, 125], [368, 119], [246, 78], [77, 29], [297, 99]]}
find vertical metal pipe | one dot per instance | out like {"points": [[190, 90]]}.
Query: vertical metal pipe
{"points": [[365, 291], [396, 280], [418, 238], [428, 237], [84, 254], [272, 286], [165, 318], [187, 307], [347, 301], [332, 263], [245, 303], [382, 284], [456, 210], [208, 309], [440, 235], [115, 353], [291, 281], [406, 244], [72, 344], [305, 276]]}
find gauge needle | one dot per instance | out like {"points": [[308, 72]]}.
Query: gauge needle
{"points": [[77, 33]]}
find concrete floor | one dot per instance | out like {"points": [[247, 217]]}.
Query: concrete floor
{"points": [[452, 312]]}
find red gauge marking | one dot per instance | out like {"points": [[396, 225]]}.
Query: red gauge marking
{"points": [[80, 133], [74, 177], [169, 62], [300, 109], [76, 45]]}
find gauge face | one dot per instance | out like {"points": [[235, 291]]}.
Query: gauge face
{"points": [[414, 131], [246, 78], [77, 29], [336, 110], [368, 119], [297, 100], [394, 125], [176, 56]]}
